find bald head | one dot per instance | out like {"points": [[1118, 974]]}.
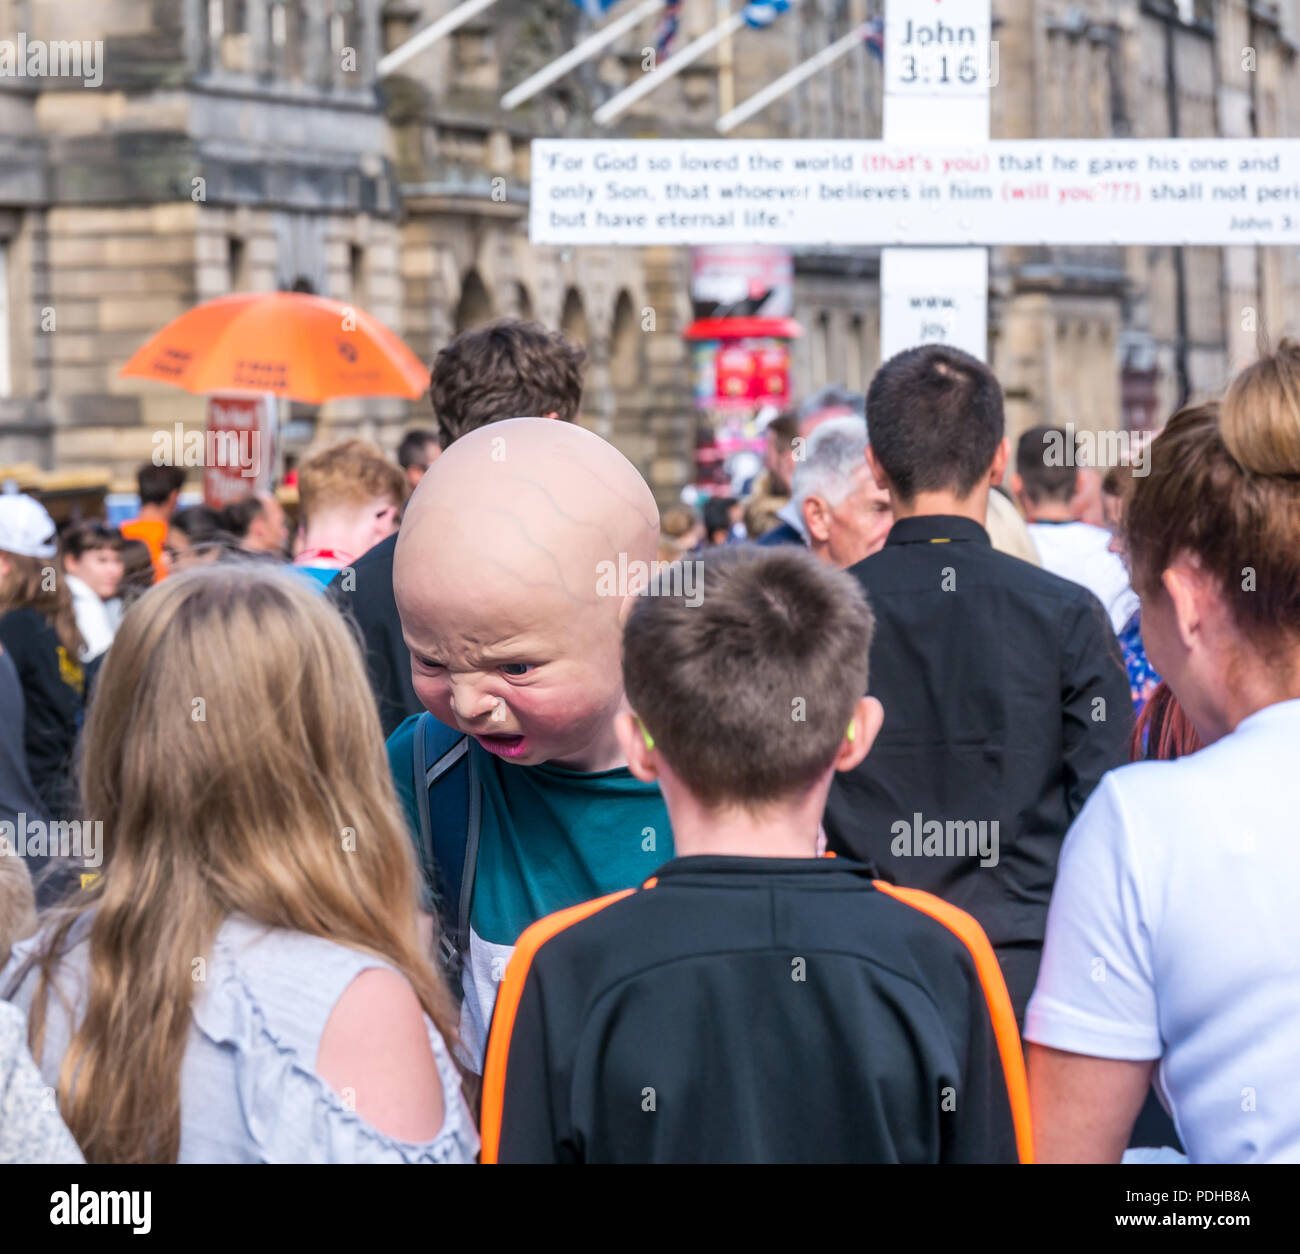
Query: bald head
{"points": [[538, 501], [514, 633]]}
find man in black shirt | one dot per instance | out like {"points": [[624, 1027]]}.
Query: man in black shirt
{"points": [[1004, 693]]}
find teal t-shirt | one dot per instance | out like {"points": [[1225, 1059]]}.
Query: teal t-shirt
{"points": [[552, 838], [549, 838]]}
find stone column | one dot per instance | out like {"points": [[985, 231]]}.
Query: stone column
{"points": [[317, 57], [672, 420], [257, 20], [369, 38], [194, 36]]}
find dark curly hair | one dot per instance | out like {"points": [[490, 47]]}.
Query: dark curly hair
{"points": [[510, 369]]}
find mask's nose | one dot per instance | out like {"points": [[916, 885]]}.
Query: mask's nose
{"points": [[472, 702]]}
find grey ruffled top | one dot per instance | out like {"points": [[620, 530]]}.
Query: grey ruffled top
{"points": [[249, 1091], [30, 1128]]}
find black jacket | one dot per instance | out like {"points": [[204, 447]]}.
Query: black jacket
{"points": [[17, 793], [371, 606], [782, 533], [754, 1010], [1005, 701], [53, 690]]}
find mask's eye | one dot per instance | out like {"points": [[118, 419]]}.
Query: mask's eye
{"points": [[516, 669]]}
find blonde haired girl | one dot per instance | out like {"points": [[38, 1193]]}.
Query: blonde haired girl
{"points": [[244, 981]]}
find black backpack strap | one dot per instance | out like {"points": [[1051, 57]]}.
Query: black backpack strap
{"points": [[470, 866], [449, 849], [422, 810]]}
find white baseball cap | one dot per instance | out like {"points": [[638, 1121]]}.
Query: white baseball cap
{"points": [[25, 527]]}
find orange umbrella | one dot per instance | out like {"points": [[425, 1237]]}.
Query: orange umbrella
{"points": [[302, 347]]}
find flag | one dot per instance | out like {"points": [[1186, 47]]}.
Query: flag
{"points": [[873, 35], [762, 13], [668, 24]]}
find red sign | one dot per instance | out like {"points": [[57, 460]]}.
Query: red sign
{"points": [[742, 374], [238, 448]]}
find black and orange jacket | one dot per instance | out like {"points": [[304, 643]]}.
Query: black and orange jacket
{"points": [[755, 1010]]}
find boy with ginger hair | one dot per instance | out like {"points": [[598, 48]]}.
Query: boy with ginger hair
{"points": [[352, 497]]}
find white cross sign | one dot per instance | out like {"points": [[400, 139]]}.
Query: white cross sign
{"points": [[934, 193]]}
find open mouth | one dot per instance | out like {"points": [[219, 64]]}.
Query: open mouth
{"points": [[503, 746]]}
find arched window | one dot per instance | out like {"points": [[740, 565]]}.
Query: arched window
{"points": [[854, 366], [237, 263], [475, 305], [821, 352], [625, 345], [357, 275], [573, 321], [522, 303]]}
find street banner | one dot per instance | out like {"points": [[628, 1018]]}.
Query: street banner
{"points": [[864, 192], [239, 441], [742, 281]]}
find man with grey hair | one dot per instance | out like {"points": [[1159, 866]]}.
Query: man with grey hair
{"points": [[830, 402], [836, 509]]}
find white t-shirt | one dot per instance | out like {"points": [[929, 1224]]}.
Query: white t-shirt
{"points": [[1174, 933], [1080, 552]]}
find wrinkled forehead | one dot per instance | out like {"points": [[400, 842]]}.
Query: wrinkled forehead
{"points": [[510, 533], [459, 602]]}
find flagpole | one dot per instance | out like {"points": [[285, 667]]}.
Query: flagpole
{"points": [[726, 65], [675, 64], [805, 70], [430, 35], [578, 54]]}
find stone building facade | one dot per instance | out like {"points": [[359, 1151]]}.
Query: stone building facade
{"points": [[235, 144], [1105, 337], [224, 148], [1101, 337]]}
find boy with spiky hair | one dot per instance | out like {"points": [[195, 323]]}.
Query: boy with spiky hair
{"points": [[753, 1002]]}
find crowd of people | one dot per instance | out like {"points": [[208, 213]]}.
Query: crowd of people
{"points": [[914, 804]]}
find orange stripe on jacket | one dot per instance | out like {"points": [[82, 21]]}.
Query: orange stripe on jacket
{"points": [[503, 1021], [969, 932]]}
